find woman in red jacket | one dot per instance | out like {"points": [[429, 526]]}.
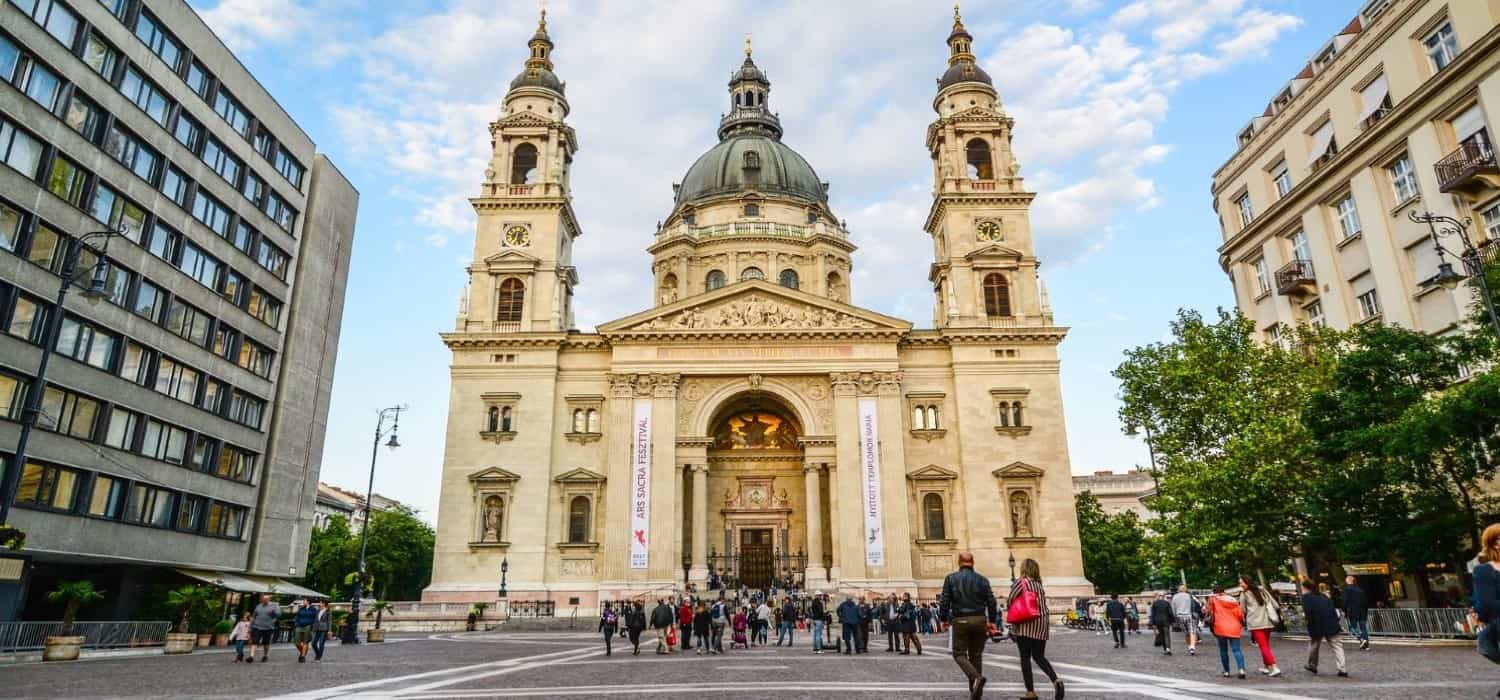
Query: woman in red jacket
{"points": [[1228, 624]]}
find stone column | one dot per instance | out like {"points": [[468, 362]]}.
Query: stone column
{"points": [[663, 545], [893, 485], [617, 477], [849, 558], [699, 571], [816, 574]]}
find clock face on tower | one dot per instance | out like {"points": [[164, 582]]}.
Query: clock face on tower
{"points": [[988, 230], [517, 236]]}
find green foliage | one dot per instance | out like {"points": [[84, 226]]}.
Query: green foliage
{"points": [[398, 559], [191, 603], [479, 608], [223, 627], [73, 595], [380, 608], [1113, 554], [12, 538]]}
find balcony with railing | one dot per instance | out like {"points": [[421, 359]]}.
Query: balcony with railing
{"points": [[771, 229], [1469, 170], [1296, 278]]}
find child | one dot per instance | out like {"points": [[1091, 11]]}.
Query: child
{"points": [[741, 623], [239, 635]]}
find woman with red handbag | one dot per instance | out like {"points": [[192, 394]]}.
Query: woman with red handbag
{"points": [[1026, 611]]}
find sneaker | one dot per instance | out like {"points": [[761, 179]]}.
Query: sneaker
{"points": [[1275, 671], [250, 660], [1225, 674], [1192, 651], [1343, 674], [1242, 674], [302, 659], [1265, 672], [1311, 669]]}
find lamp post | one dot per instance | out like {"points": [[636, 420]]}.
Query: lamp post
{"points": [[1012, 560], [1473, 264], [504, 569], [351, 630], [33, 406]]}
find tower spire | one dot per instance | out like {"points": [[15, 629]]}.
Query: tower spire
{"points": [[747, 44], [749, 89]]}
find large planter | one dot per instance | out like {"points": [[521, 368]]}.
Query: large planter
{"points": [[180, 642], [205, 639], [61, 648], [374, 634], [221, 640]]}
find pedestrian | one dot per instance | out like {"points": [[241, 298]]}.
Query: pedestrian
{"points": [[1487, 593], [302, 629], [848, 614], [661, 619], [1027, 614], [609, 624], [1322, 628], [1161, 618], [321, 627], [815, 617], [1227, 620], [924, 619], [888, 616], [1096, 617], [741, 626], [635, 626], [1132, 616], [473, 620], [908, 620], [240, 635], [1183, 607], [763, 617], [1262, 615], [685, 624], [701, 628], [788, 622], [1114, 610], [866, 618], [718, 619], [1357, 611], [967, 602], [262, 627]]}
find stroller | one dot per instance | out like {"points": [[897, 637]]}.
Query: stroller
{"points": [[739, 640]]}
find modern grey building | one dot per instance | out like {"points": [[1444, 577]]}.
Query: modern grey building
{"points": [[183, 420]]}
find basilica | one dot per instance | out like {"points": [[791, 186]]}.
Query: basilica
{"points": [[754, 426]]}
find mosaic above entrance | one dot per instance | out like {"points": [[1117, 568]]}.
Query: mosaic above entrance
{"points": [[754, 430]]}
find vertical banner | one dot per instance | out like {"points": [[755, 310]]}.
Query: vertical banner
{"points": [[640, 483], [869, 473]]}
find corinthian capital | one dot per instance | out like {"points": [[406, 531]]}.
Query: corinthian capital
{"points": [[665, 385]]}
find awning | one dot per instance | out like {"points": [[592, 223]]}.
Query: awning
{"points": [[1372, 96], [1322, 139], [245, 583]]}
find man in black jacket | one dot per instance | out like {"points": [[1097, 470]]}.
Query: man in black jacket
{"points": [[1114, 611], [816, 618], [968, 603], [1161, 618], [1322, 627], [1357, 611], [661, 619]]}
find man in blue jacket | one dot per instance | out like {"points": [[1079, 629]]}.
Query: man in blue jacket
{"points": [[848, 612], [1357, 611], [1322, 627]]}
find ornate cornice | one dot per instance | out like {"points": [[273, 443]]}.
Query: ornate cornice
{"points": [[489, 340], [1004, 199]]}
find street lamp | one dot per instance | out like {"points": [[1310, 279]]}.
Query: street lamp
{"points": [[1473, 263], [1012, 559], [351, 630], [33, 406], [504, 569]]}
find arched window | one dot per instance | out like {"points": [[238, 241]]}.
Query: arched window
{"points": [[932, 516], [593, 420], [752, 273], [714, 280], [752, 209], [789, 279], [1015, 412], [578, 520], [1005, 414], [580, 421], [493, 424], [996, 295], [505, 419], [523, 165], [981, 165], [918, 419], [508, 305], [932, 421]]}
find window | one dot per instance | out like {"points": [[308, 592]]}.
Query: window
{"points": [[752, 209], [177, 380], [200, 265], [523, 165], [10, 228], [188, 131], [19, 150], [789, 279], [246, 409], [1348, 216], [188, 322], [86, 343], [981, 165], [27, 320], [1011, 414], [204, 453], [150, 506], [117, 213], [1262, 276], [1441, 46], [46, 486], [164, 242], [578, 520], [1365, 296], [41, 85], [218, 158], [212, 213], [714, 280], [66, 180], [225, 520], [10, 59], [1491, 217], [279, 211], [234, 284], [214, 393], [272, 258], [263, 142], [752, 273], [263, 307], [235, 463], [84, 117], [1423, 258], [1282, 178], [289, 167], [198, 79], [510, 300], [1300, 248], [60, 22], [145, 95], [586, 420], [135, 366], [226, 342], [492, 419], [12, 396], [189, 512], [254, 189], [1243, 205], [156, 38], [1403, 179], [1324, 146], [1375, 101], [123, 427], [65, 412], [1471, 133], [107, 497], [932, 517], [255, 357], [165, 442], [996, 295], [174, 184], [1274, 336], [46, 248], [232, 112]]}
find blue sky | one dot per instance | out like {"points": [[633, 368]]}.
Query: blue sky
{"points": [[1123, 109]]}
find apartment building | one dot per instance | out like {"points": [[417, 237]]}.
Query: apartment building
{"points": [[183, 419], [1393, 115]]}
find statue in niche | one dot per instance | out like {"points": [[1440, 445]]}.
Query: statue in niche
{"points": [[729, 498], [493, 515], [780, 501], [1020, 514]]}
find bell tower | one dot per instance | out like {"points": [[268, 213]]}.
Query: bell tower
{"points": [[522, 277], [984, 271]]}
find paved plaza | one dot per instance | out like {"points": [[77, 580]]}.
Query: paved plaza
{"points": [[573, 665]]}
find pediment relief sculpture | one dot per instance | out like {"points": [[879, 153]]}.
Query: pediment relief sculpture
{"points": [[755, 311]]}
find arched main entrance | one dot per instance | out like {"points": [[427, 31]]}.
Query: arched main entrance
{"points": [[757, 511]]}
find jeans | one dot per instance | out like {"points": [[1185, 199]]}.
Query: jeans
{"points": [[1034, 650], [1263, 642], [1360, 629], [320, 640], [717, 640], [785, 632], [1226, 645], [817, 635], [892, 637], [850, 636], [239, 648], [969, 636], [1489, 642], [609, 638]]}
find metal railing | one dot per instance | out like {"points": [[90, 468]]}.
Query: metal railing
{"points": [[1471, 156], [1409, 623], [1292, 277], [532, 608], [29, 636]]}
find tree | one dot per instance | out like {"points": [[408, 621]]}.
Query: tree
{"points": [[73, 595], [332, 551], [1223, 412], [398, 555], [1113, 556], [189, 601]]}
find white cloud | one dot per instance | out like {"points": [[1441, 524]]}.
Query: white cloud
{"points": [[244, 23]]}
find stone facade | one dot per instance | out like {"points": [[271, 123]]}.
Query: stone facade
{"points": [[745, 426]]}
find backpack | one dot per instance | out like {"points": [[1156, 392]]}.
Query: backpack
{"points": [[718, 613], [610, 620]]}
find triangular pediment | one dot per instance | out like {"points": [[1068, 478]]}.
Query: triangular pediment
{"points": [[755, 305], [510, 260], [932, 472], [524, 119], [994, 251], [494, 474], [579, 476], [979, 112], [1019, 470]]}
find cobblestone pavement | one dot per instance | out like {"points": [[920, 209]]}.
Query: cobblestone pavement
{"points": [[498, 665]]}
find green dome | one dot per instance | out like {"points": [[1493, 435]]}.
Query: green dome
{"points": [[774, 169]]}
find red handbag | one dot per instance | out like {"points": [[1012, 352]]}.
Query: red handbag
{"points": [[1024, 607]]}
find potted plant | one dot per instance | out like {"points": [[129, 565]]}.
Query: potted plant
{"points": [[340, 618], [222, 628], [72, 595], [185, 599], [375, 634]]}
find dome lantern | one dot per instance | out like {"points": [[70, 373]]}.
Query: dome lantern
{"points": [[538, 70], [962, 66]]}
